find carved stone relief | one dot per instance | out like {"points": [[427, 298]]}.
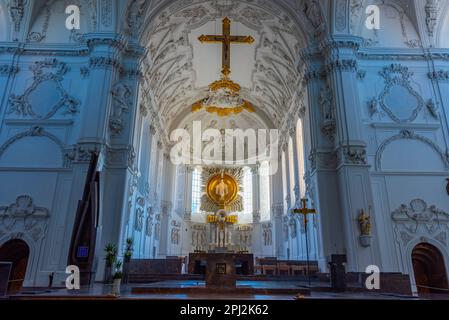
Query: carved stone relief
{"points": [[199, 238], [46, 96], [398, 99], [175, 232], [24, 217], [418, 220], [267, 234], [122, 103], [328, 125]]}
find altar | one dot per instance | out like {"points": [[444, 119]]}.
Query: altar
{"points": [[221, 268]]}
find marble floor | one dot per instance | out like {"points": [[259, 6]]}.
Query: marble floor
{"points": [[195, 290]]}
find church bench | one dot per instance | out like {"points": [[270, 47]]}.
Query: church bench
{"points": [[272, 266], [267, 265], [283, 269]]}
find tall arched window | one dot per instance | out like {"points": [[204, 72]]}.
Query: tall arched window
{"points": [[265, 200], [196, 190], [284, 180], [301, 158], [291, 163], [247, 192]]}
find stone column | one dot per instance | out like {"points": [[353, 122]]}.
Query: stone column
{"points": [[257, 227], [352, 166], [188, 193], [288, 196], [165, 240], [277, 212], [322, 182], [104, 64]]}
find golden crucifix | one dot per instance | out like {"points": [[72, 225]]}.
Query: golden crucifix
{"points": [[226, 39], [304, 211]]}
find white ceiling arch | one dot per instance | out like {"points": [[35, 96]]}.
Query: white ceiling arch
{"points": [[178, 69]]}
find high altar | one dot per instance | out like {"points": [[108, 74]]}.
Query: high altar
{"points": [[222, 199]]}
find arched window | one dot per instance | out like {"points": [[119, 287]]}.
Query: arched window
{"points": [[284, 180], [301, 158], [196, 190], [291, 163], [265, 199], [247, 192]]}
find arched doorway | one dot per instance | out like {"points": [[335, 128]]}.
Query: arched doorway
{"points": [[17, 252], [429, 269]]}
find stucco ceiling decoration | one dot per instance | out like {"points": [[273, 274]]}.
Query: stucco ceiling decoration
{"points": [[177, 82], [224, 94]]}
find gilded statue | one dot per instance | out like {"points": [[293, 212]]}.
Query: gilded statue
{"points": [[365, 223], [222, 189]]}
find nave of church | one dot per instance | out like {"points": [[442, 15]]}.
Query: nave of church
{"points": [[285, 148]]}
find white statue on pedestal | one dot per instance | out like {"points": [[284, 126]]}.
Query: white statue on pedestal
{"points": [[221, 230]]}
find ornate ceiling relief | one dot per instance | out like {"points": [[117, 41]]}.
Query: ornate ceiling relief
{"points": [[134, 17], [23, 218], [46, 96], [314, 14], [170, 73], [418, 221]]}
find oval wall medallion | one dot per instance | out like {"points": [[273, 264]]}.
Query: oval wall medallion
{"points": [[401, 102], [398, 99]]}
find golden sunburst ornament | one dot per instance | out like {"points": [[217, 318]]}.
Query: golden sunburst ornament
{"points": [[222, 189]]}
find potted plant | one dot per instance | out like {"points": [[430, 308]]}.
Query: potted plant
{"points": [[128, 250], [111, 257], [117, 278], [127, 258]]}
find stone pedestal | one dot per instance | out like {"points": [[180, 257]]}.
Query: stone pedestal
{"points": [[220, 271], [221, 268]]}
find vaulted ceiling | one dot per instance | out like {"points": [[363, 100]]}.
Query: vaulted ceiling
{"points": [[180, 68]]}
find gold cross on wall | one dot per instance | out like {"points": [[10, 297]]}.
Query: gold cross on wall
{"points": [[226, 39]]}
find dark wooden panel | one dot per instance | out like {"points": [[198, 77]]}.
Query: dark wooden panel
{"points": [[155, 266], [243, 263], [5, 270]]}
